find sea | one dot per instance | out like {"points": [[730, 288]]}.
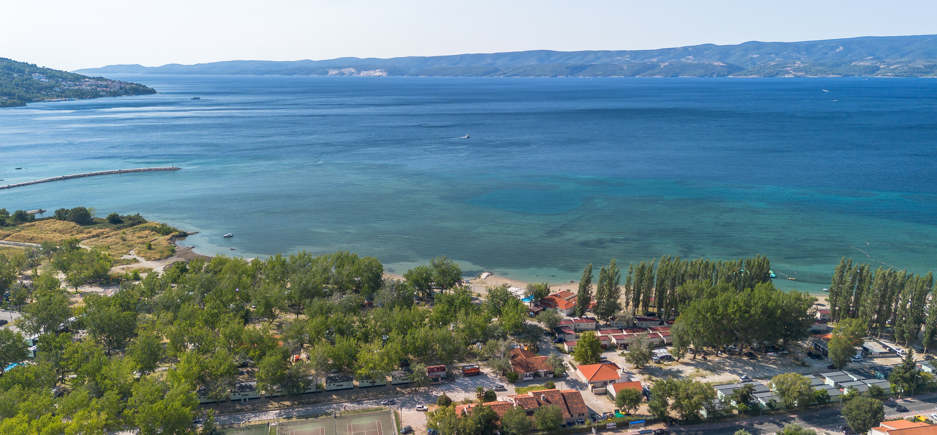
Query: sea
{"points": [[530, 178]]}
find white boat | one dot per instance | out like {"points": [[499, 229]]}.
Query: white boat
{"points": [[826, 289], [464, 137], [228, 236]]}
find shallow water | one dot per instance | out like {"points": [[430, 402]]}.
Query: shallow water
{"points": [[557, 173]]}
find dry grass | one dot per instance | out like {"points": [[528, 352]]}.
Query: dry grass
{"points": [[116, 242]]}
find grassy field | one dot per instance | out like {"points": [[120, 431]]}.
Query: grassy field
{"points": [[114, 240]]}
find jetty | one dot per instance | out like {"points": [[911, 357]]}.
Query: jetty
{"points": [[91, 174]]}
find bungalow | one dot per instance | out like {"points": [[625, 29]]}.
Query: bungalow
{"points": [[566, 333], [561, 305], [528, 368], [819, 327], [926, 367], [614, 389], [499, 408], [665, 337], [834, 393], [565, 295], [859, 386], [202, 394], [600, 375], [313, 387], [570, 403], [580, 325], [714, 408], [569, 346], [399, 377], [605, 341], [646, 322], [837, 381], [244, 391], [338, 381], [824, 315], [607, 330], [769, 400], [814, 381], [436, 373], [620, 340], [376, 381], [881, 383]]}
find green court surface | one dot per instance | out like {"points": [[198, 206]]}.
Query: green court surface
{"points": [[257, 429], [372, 423]]}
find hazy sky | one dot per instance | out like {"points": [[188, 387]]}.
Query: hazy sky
{"points": [[69, 34]]}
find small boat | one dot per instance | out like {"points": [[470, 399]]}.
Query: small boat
{"points": [[826, 290], [228, 236], [464, 137], [196, 98], [18, 169], [791, 278], [771, 274], [232, 249]]}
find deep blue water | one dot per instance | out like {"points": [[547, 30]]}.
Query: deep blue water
{"points": [[557, 173]]}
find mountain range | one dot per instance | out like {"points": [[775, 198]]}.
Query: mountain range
{"points": [[890, 56]]}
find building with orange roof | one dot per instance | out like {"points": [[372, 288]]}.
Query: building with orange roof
{"points": [[570, 403], [499, 408], [613, 389], [903, 427], [528, 365], [601, 375], [564, 306]]}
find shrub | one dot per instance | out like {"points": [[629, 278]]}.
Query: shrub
{"points": [[114, 218], [80, 216], [512, 377], [550, 385], [149, 246], [443, 401], [491, 396]]}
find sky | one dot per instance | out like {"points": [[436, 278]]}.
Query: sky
{"points": [[69, 35]]}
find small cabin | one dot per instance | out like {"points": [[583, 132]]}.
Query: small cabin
{"points": [[244, 391], [399, 377], [338, 381]]}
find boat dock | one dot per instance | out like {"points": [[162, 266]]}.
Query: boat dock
{"points": [[91, 174]]}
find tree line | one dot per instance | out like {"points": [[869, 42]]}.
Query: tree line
{"points": [[884, 296]]}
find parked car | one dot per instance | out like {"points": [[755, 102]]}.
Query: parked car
{"points": [[387, 402], [581, 422], [744, 378], [661, 432], [500, 388], [831, 367], [558, 340], [406, 429], [856, 358], [421, 407], [901, 408], [933, 417], [3, 322], [928, 357]]}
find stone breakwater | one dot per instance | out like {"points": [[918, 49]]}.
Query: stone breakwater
{"points": [[91, 174]]}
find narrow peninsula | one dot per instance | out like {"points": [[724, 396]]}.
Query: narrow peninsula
{"points": [[22, 83]]}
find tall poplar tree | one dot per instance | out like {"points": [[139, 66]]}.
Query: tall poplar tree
{"points": [[608, 291], [584, 297]]}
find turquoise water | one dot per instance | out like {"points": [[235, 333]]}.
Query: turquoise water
{"points": [[557, 173]]}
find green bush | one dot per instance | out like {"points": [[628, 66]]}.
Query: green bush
{"points": [[512, 377], [550, 385], [114, 218], [490, 396], [443, 401]]}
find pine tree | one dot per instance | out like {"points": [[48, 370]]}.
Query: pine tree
{"points": [[584, 297]]}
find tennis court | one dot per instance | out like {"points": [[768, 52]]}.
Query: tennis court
{"points": [[257, 429], [371, 423]]}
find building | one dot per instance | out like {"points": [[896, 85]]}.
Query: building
{"points": [[378, 381], [436, 373], [903, 427], [613, 389], [338, 381], [769, 400], [824, 315], [566, 333], [834, 393], [580, 325], [569, 401], [244, 391], [399, 377], [499, 408], [601, 375], [570, 346], [565, 307], [528, 365], [926, 367], [647, 322], [819, 327]]}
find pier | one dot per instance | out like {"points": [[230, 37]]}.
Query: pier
{"points": [[91, 174]]}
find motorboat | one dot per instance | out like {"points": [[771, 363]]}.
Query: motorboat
{"points": [[228, 236]]}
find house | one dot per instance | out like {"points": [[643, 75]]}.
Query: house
{"points": [[566, 333], [565, 295], [903, 427], [881, 383], [569, 346], [570, 402], [499, 408], [646, 322], [605, 341], [527, 365], [244, 391], [613, 389], [620, 340], [926, 367], [836, 381], [338, 381], [564, 306], [471, 370], [534, 310], [874, 348], [834, 393], [399, 377], [201, 393], [665, 337], [436, 373], [600, 375], [859, 386], [824, 315], [814, 381], [580, 325], [714, 408]]}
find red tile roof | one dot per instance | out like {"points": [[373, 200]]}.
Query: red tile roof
{"points": [[436, 369], [521, 353], [600, 372], [531, 365], [622, 385], [569, 401]]}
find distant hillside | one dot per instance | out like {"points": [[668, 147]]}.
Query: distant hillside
{"points": [[22, 83], [893, 56]]}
